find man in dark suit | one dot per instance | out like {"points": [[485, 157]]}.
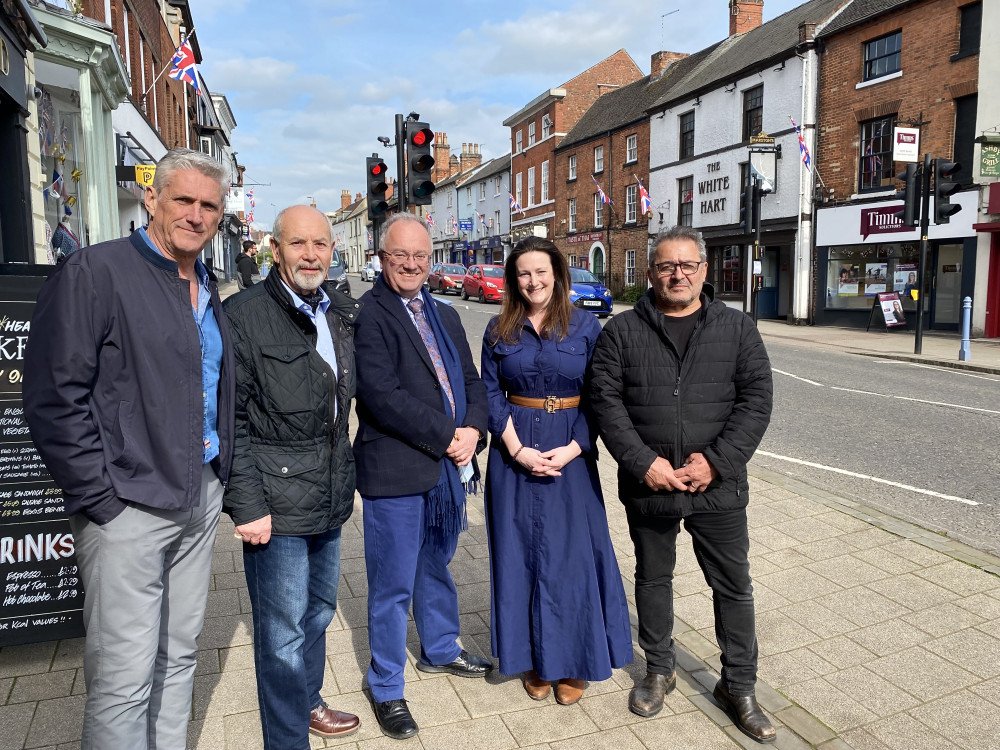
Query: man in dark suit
{"points": [[423, 412]]}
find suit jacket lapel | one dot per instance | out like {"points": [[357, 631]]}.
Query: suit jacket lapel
{"points": [[391, 302]]}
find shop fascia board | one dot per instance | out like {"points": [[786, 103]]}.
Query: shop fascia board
{"points": [[80, 44]]}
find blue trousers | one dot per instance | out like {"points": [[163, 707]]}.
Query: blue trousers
{"points": [[292, 582], [404, 565]]}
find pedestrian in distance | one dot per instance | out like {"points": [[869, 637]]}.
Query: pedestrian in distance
{"points": [[293, 478], [246, 265], [681, 387], [422, 416], [128, 392], [559, 612]]}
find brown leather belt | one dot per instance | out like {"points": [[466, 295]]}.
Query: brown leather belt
{"points": [[549, 403]]}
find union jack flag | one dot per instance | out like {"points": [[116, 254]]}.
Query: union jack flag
{"points": [[430, 220], [183, 65], [250, 198], [482, 219], [369, 238], [604, 196], [874, 160], [803, 149], [645, 203], [454, 225], [514, 205], [250, 218]]}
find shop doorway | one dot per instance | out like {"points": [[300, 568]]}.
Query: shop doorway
{"points": [[946, 296], [767, 296], [597, 265]]}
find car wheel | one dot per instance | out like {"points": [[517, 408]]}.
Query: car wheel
{"points": [[482, 296], [465, 295]]}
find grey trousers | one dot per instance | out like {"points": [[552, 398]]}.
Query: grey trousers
{"points": [[146, 576]]}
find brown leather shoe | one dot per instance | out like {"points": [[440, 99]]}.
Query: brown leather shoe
{"points": [[744, 710], [326, 722], [536, 688], [569, 691]]}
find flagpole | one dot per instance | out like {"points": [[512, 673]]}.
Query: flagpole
{"points": [[165, 67]]}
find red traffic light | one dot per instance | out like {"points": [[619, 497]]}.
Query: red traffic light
{"points": [[422, 137], [378, 169]]}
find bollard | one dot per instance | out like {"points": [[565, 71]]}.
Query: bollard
{"points": [[964, 352]]}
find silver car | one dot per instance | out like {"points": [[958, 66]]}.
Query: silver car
{"points": [[368, 272]]}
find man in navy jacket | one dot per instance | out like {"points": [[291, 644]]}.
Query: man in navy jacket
{"points": [[129, 386], [422, 410]]}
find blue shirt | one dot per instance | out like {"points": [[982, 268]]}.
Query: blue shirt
{"points": [[210, 338], [324, 339]]}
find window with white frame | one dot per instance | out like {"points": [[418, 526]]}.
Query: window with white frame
{"points": [[572, 167], [517, 142], [631, 149], [496, 222], [517, 189], [531, 134], [573, 261], [630, 268], [531, 186], [449, 200], [545, 181], [572, 215], [468, 196], [482, 190], [631, 202], [498, 183], [599, 159], [598, 210], [546, 126]]}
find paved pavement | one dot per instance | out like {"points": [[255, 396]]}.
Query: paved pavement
{"points": [[874, 635]]}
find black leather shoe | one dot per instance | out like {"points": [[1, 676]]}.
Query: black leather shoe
{"points": [[646, 698], [466, 665], [395, 720], [746, 712]]}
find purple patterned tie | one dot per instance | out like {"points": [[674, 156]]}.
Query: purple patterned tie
{"points": [[417, 307]]}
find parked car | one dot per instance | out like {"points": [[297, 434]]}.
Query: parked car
{"points": [[337, 273], [485, 282], [446, 277], [588, 293], [368, 272]]}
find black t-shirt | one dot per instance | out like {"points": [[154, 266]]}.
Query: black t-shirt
{"points": [[680, 328]]}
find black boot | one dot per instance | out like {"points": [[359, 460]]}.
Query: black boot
{"points": [[746, 712], [646, 698]]}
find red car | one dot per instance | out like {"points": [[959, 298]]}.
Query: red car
{"points": [[485, 282], [446, 277]]}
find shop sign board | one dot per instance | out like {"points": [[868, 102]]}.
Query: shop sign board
{"points": [[465, 225], [906, 144], [989, 160], [882, 220], [41, 596], [585, 237], [234, 200], [892, 309]]}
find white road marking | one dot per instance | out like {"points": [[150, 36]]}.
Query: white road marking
{"points": [[867, 477], [855, 390], [952, 370], [804, 380]]}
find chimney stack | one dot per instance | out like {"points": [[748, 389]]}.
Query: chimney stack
{"points": [[345, 198], [660, 61], [442, 169], [470, 157], [745, 15]]}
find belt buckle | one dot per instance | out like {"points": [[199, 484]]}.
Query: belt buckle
{"points": [[550, 404]]}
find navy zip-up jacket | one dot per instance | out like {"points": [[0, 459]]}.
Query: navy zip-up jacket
{"points": [[113, 382]]}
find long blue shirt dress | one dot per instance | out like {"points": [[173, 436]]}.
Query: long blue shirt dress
{"points": [[558, 604]]}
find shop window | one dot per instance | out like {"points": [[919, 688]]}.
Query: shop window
{"points": [[727, 270], [685, 201], [687, 135], [875, 162], [882, 56], [855, 274], [60, 136], [753, 111], [970, 30]]}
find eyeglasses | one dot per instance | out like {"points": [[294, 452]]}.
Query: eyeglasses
{"points": [[398, 256], [688, 267]]}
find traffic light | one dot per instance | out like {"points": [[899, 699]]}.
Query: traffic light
{"points": [[375, 179], [910, 195], [746, 209], [419, 163], [943, 189]]}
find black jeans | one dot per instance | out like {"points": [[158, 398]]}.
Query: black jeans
{"points": [[722, 546]]}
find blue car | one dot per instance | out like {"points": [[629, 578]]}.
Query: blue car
{"points": [[588, 293]]}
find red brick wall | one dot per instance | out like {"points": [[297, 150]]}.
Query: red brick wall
{"points": [[929, 85]]}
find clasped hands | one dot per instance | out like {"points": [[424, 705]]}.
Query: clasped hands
{"points": [[546, 463], [463, 446], [694, 476]]}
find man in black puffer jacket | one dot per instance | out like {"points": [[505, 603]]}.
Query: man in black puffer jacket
{"points": [[681, 387], [292, 483]]}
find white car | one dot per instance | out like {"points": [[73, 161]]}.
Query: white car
{"points": [[368, 272]]}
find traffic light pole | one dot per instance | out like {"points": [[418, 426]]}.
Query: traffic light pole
{"points": [[757, 278], [400, 164], [925, 215]]}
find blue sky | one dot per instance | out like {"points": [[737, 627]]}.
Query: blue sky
{"points": [[313, 83]]}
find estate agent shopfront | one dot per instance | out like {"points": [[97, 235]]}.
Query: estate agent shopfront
{"points": [[863, 250]]}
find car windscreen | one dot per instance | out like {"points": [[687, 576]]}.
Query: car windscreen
{"points": [[493, 273], [581, 276], [454, 270]]}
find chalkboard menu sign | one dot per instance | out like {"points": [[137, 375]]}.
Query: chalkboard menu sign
{"points": [[41, 596]]}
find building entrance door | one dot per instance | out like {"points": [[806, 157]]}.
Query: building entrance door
{"points": [[946, 298], [767, 296]]}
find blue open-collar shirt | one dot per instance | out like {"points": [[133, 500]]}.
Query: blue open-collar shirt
{"points": [[324, 339], [210, 338]]}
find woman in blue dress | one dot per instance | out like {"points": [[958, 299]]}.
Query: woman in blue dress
{"points": [[559, 612]]}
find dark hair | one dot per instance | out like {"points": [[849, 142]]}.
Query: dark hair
{"points": [[247, 244], [514, 309]]}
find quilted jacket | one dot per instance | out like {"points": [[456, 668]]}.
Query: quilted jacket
{"points": [[292, 458], [649, 402]]}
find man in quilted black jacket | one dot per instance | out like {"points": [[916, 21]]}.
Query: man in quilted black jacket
{"points": [[681, 387], [292, 484]]}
